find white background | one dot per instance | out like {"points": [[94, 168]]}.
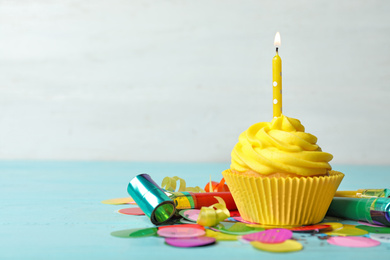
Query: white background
{"points": [[180, 80]]}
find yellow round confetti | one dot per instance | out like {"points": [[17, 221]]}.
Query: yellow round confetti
{"points": [[220, 236], [348, 230], [119, 201], [287, 246], [349, 226], [333, 225]]}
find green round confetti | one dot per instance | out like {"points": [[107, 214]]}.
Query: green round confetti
{"points": [[379, 230], [236, 228], [134, 233]]}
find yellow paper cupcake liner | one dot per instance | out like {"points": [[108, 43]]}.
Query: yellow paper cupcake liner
{"points": [[283, 201]]}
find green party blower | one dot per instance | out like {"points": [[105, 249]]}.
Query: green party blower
{"points": [[151, 199], [375, 210]]}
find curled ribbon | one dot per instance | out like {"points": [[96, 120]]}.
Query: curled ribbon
{"points": [[169, 184], [211, 216], [214, 186]]}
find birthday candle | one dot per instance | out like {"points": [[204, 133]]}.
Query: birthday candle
{"points": [[277, 79]]}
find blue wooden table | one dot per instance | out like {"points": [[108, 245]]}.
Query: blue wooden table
{"points": [[53, 210]]}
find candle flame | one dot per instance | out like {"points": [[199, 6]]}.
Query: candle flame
{"points": [[277, 41]]}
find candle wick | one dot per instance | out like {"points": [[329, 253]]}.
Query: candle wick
{"points": [[277, 49]]}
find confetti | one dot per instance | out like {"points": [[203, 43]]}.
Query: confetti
{"points": [[180, 232], [185, 232], [270, 236], [240, 219], [120, 201], [347, 230], [333, 226], [191, 225], [134, 233], [190, 214], [286, 246], [253, 224], [220, 235], [311, 228], [371, 229], [269, 226], [132, 211], [236, 228], [353, 241], [190, 242]]}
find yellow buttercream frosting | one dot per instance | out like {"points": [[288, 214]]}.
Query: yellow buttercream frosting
{"points": [[279, 146]]}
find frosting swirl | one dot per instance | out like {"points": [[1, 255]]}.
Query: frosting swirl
{"points": [[279, 146]]}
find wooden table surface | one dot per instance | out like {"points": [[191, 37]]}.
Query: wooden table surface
{"points": [[53, 210]]}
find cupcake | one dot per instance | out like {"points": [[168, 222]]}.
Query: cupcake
{"points": [[280, 176]]}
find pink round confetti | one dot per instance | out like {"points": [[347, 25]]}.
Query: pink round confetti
{"points": [[180, 232], [270, 236], [190, 242], [353, 241], [132, 211], [192, 214]]}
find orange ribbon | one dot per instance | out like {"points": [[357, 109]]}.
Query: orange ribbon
{"points": [[216, 187]]}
